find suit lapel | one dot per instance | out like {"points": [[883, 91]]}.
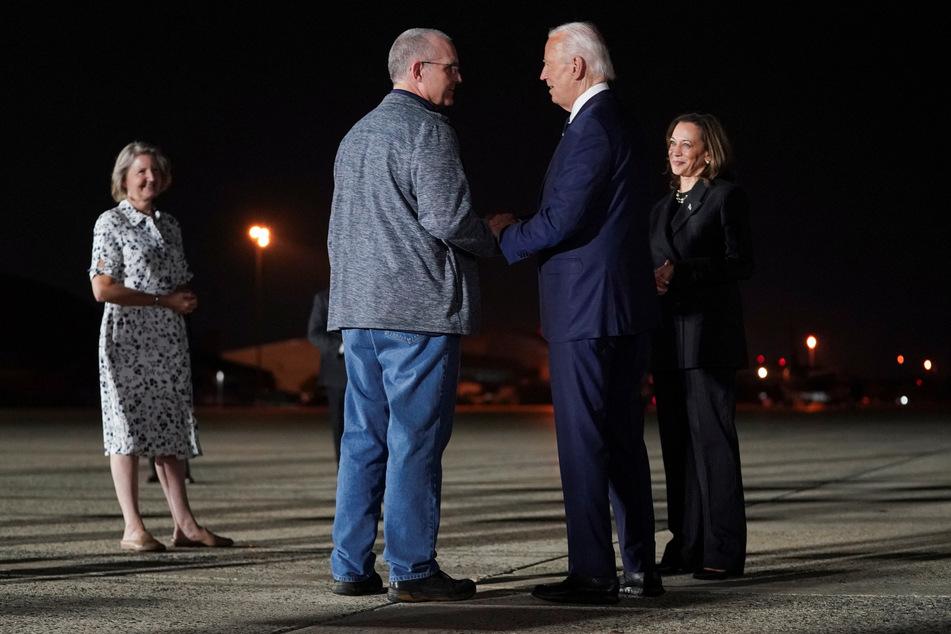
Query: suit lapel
{"points": [[601, 96], [660, 227], [689, 207], [564, 144]]}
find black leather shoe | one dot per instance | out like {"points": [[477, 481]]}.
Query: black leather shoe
{"points": [[667, 568], [437, 587], [709, 574], [640, 584], [579, 590], [371, 585]]}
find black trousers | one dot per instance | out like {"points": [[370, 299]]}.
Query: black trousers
{"points": [[706, 508], [335, 398]]}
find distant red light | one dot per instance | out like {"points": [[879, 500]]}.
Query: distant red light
{"points": [[782, 363], [761, 359], [919, 382]]}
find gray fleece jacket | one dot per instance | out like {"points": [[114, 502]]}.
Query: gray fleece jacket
{"points": [[403, 235]]}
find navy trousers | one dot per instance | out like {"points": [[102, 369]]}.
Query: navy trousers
{"points": [[599, 422]]}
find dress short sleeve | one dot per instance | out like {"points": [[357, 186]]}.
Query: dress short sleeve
{"points": [[106, 248]]}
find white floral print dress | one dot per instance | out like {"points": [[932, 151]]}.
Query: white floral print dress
{"points": [[144, 366]]}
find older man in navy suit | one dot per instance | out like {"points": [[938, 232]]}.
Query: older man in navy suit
{"points": [[598, 307]]}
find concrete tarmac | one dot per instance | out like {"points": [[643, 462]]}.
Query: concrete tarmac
{"points": [[849, 531]]}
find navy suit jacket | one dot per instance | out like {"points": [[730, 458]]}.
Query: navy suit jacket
{"points": [[591, 230], [709, 240]]}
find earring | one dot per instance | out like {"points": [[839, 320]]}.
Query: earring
{"points": [[708, 161]]}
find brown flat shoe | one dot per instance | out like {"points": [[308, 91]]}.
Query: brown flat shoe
{"points": [[209, 540], [145, 544]]}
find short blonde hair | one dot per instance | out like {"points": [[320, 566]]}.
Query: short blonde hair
{"points": [[124, 162]]}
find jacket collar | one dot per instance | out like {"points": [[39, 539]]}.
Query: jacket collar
{"points": [[423, 102], [689, 207], [595, 98], [585, 98]]}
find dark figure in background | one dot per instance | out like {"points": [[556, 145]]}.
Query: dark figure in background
{"points": [[598, 308], [333, 369], [139, 272], [701, 241]]}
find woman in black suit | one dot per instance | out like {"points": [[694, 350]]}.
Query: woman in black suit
{"points": [[701, 245]]}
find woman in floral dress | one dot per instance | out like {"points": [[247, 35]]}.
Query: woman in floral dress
{"points": [[139, 272]]}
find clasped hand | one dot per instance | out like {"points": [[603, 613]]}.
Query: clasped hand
{"points": [[183, 300], [500, 221], [662, 276]]}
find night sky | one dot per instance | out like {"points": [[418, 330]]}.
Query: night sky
{"points": [[832, 115]]}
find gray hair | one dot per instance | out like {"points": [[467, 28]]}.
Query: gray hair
{"points": [[124, 162], [582, 39], [410, 46]]}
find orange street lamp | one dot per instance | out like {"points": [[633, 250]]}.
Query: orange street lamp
{"points": [[928, 365], [811, 343], [261, 236]]}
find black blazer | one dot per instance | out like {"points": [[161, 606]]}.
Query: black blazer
{"points": [[709, 240]]}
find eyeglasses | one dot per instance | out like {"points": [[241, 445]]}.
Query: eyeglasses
{"points": [[451, 69]]}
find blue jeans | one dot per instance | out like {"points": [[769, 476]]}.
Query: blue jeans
{"points": [[399, 408]]}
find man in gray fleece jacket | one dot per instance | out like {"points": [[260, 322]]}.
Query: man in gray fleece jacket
{"points": [[404, 287]]}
